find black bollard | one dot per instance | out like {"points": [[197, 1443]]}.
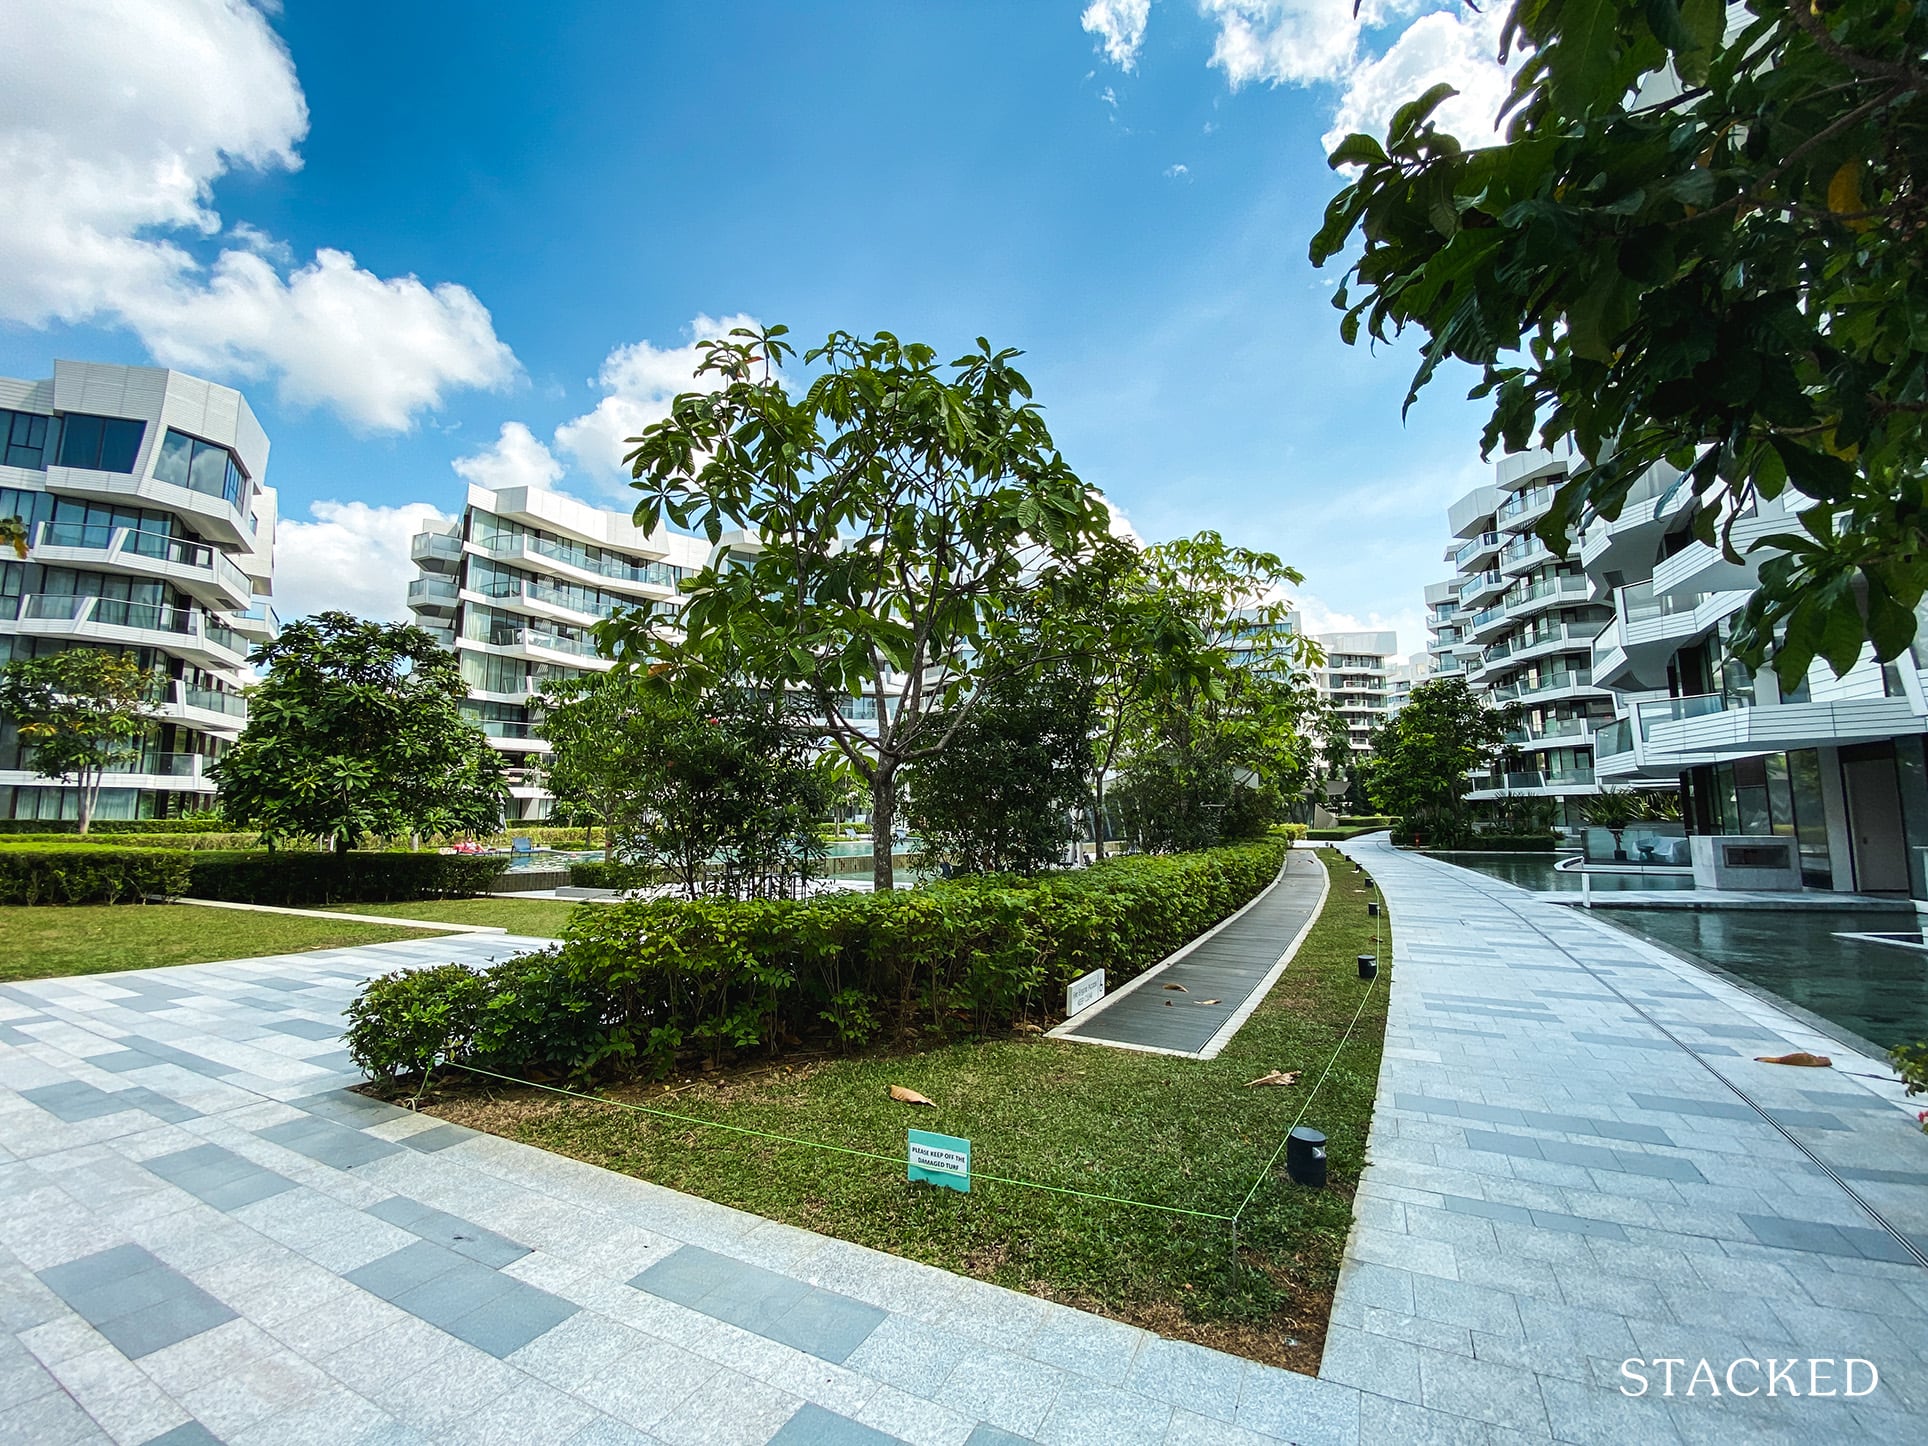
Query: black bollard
{"points": [[1368, 967], [1372, 908], [1305, 1157]]}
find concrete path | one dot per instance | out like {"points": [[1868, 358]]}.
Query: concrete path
{"points": [[203, 1237], [1575, 1164], [1221, 976]]}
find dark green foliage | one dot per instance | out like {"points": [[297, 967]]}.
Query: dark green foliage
{"points": [[1421, 756], [902, 512], [199, 823], [69, 873], [98, 835], [78, 712], [996, 799], [300, 877], [638, 984], [408, 1022], [610, 874], [357, 730], [1510, 843], [1725, 277]]}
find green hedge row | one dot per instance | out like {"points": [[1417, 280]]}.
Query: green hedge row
{"points": [[1337, 835], [205, 840], [304, 877], [608, 874], [635, 985], [78, 874], [1512, 843], [68, 828]]}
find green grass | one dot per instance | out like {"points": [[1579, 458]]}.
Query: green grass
{"points": [[1151, 1128], [541, 918], [42, 943]]}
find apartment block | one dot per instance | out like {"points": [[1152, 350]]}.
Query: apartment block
{"points": [[1834, 767], [1518, 622], [151, 534], [1358, 679], [516, 585]]}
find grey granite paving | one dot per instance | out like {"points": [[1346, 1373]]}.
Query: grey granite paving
{"points": [[1581, 1181], [205, 1238], [1193, 997]]}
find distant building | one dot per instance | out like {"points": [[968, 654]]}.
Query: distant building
{"points": [[1357, 679], [515, 586], [151, 534]]}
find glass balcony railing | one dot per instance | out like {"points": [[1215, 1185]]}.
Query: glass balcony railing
{"points": [[434, 547], [1676, 710], [111, 541], [1477, 545], [1519, 781], [164, 765], [1521, 503], [1610, 740], [210, 700]]}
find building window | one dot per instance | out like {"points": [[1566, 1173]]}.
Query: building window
{"points": [[102, 444], [203, 467], [23, 440]]}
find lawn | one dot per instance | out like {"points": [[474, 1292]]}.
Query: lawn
{"points": [[1148, 1128], [539, 918], [43, 942]]}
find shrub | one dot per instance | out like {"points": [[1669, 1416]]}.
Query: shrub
{"points": [[1502, 843], [62, 827], [408, 1022], [1289, 831], [137, 840], [638, 983], [610, 874], [300, 877], [1911, 1063], [70, 873]]}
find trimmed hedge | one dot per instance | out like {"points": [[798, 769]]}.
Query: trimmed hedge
{"points": [[609, 874], [1339, 835], [303, 877], [67, 827], [77, 874], [635, 985], [139, 840]]}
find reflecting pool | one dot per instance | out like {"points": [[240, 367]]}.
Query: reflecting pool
{"points": [[1536, 871]]}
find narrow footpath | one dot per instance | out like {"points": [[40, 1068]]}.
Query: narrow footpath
{"points": [[1577, 1171]]}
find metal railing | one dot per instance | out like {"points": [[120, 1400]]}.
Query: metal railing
{"points": [[112, 541], [1678, 710]]}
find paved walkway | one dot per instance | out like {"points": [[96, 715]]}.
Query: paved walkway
{"points": [[1575, 1161], [203, 1237], [1221, 976]]}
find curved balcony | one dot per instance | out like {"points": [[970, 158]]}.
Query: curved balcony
{"points": [[179, 632], [214, 515], [434, 596], [205, 573], [1523, 509], [435, 551], [1548, 593], [207, 709], [1469, 555], [608, 573]]}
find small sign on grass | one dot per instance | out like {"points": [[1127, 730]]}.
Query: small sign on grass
{"points": [[939, 1160], [1084, 992]]}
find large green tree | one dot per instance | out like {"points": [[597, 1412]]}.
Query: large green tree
{"points": [[895, 513], [1421, 756], [1702, 244], [80, 712], [996, 800], [357, 731], [722, 788]]}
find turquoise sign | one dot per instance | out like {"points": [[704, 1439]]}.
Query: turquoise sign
{"points": [[940, 1160]]}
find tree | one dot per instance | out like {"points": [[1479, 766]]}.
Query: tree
{"points": [[80, 711], [896, 518], [1704, 245], [995, 800], [1422, 754], [723, 789], [357, 730], [13, 533], [1173, 626]]}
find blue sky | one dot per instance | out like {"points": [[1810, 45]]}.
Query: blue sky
{"points": [[540, 203]]}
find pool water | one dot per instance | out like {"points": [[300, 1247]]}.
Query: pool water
{"points": [[1877, 992], [1536, 871]]}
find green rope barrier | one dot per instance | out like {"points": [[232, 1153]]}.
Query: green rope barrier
{"points": [[897, 1160]]}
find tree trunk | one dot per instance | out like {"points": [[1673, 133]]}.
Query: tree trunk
{"points": [[883, 817], [1098, 815], [90, 782]]}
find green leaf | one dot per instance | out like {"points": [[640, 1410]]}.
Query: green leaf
{"points": [[1356, 150]]}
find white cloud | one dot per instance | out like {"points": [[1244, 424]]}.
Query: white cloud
{"points": [[1179, 172], [514, 459], [639, 383], [1283, 42], [1120, 28], [351, 556], [1458, 48], [117, 118], [1408, 622]]}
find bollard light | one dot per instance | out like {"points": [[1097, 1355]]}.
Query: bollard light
{"points": [[1372, 908], [1368, 967], [1305, 1157]]}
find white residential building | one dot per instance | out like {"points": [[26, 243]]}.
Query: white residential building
{"points": [[1358, 679], [515, 587], [1835, 767], [1404, 677], [1519, 624], [150, 533]]}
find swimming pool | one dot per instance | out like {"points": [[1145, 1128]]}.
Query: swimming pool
{"points": [[1537, 871]]}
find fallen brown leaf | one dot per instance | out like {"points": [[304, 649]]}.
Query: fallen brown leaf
{"points": [[1208, 1001], [1025, 1026], [1800, 1057], [1279, 1077], [1178, 988], [905, 1096]]}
